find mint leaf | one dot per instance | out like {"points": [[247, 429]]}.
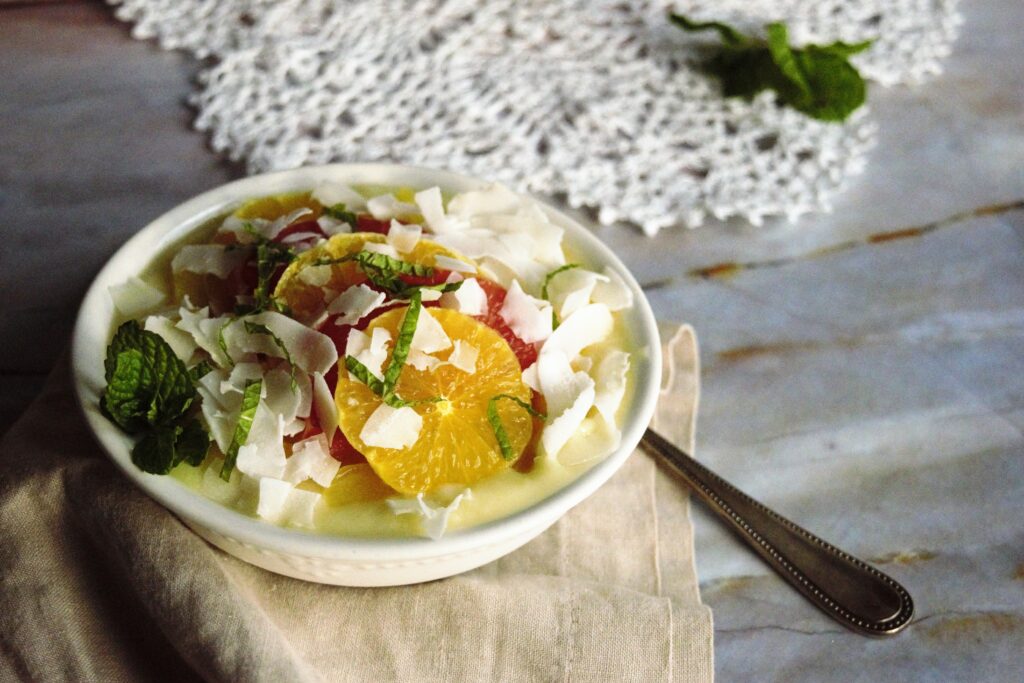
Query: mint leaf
{"points": [[845, 49], [259, 328], [837, 89], [728, 34], [250, 402], [154, 453], [363, 374], [406, 331], [338, 212], [499, 429], [148, 384], [544, 289], [200, 370], [123, 400], [817, 80], [550, 276], [793, 82], [222, 342], [386, 388], [192, 443]]}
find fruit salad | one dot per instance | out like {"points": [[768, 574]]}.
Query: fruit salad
{"points": [[371, 361]]}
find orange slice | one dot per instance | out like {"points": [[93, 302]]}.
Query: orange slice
{"points": [[356, 484], [306, 300], [456, 443], [275, 206]]}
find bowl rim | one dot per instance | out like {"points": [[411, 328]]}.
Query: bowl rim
{"points": [[96, 311]]}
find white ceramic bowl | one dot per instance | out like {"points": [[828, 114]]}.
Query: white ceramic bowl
{"points": [[319, 557]]}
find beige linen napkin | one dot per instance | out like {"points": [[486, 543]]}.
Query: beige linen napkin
{"points": [[101, 583]]}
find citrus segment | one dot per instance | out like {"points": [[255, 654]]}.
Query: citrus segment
{"points": [[356, 484], [456, 444], [274, 206], [306, 300]]}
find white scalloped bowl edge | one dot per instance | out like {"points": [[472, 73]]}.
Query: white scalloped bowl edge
{"points": [[319, 557]]}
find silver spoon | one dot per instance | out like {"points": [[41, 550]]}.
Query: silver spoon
{"points": [[850, 591]]}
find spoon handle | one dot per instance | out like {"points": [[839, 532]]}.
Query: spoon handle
{"points": [[850, 591]]}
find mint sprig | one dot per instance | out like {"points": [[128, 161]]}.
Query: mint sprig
{"points": [[817, 80], [499, 429], [149, 392], [250, 402]]}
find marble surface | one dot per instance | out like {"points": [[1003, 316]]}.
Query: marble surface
{"points": [[864, 371]]}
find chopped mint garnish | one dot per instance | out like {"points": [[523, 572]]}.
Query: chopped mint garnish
{"points": [[149, 391], [817, 80], [250, 402], [499, 429], [339, 213], [383, 271], [222, 342], [386, 388], [200, 370]]}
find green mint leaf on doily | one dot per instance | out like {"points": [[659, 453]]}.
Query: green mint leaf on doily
{"points": [[817, 80], [499, 429]]}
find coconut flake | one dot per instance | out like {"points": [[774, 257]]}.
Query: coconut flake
{"points": [[288, 402], [587, 326], [220, 411], [430, 337], [135, 296], [432, 208], [613, 292], [385, 207], [315, 276], [610, 377], [429, 295], [283, 222], [241, 374], [423, 362], [332, 226], [281, 503], [205, 331], [381, 248], [528, 317], [370, 351], [330, 193], [311, 459], [310, 350], [389, 427], [564, 423], [470, 298], [464, 356], [495, 198], [262, 455], [326, 409], [434, 519], [453, 264], [181, 342], [404, 237], [212, 259], [571, 290], [530, 378], [355, 303]]}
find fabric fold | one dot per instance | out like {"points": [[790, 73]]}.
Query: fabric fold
{"points": [[102, 583]]}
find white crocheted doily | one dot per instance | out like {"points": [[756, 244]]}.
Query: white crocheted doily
{"points": [[598, 101]]}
